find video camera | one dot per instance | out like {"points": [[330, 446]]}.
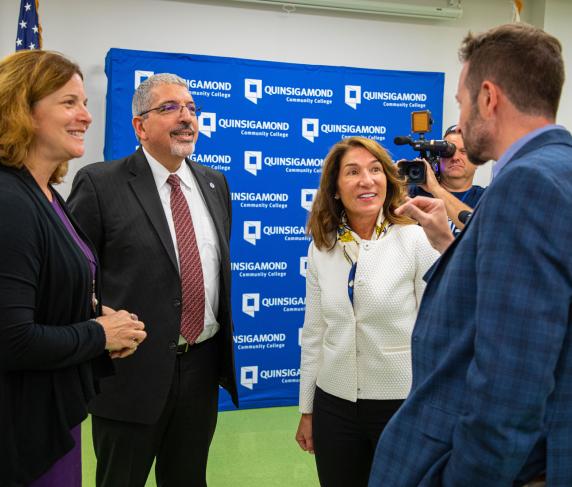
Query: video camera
{"points": [[430, 150]]}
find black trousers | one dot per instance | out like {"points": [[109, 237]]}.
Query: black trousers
{"points": [[345, 437], [179, 441]]}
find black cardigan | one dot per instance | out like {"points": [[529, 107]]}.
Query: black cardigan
{"points": [[50, 353]]}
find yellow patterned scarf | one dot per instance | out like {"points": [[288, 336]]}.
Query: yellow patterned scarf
{"points": [[350, 241]]}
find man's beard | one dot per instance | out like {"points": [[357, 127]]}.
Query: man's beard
{"points": [[183, 149], [477, 139]]}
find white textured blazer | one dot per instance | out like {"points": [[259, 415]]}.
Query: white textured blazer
{"points": [[366, 353]]}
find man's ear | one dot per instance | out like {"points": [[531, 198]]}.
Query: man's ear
{"points": [[139, 128], [488, 99]]}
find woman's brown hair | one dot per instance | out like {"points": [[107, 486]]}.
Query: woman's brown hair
{"points": [[25, 78], [326, 210]]}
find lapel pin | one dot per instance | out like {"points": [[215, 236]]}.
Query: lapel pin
{"points": [[211, 184]]}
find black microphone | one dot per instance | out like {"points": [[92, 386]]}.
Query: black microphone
{"points": [[402, 140], [465, 216]]}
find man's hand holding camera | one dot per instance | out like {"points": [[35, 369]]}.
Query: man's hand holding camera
{"points": [[453, 205], [431, 184]]}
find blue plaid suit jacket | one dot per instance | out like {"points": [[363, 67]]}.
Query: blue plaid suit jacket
{"points": [[491, 400]]}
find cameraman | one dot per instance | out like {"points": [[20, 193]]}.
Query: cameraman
{"points": [[455, 186]]}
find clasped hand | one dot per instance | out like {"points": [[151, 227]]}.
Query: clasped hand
{"points": [[123, 332]]}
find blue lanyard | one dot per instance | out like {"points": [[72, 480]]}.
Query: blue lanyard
{"points": [[351, 280]]}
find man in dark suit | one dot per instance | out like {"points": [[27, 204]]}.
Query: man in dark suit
{"points": [[492, 345], [161, 227]]}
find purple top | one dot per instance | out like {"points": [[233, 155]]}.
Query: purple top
{"points": [[72, 231], [67, 470]]}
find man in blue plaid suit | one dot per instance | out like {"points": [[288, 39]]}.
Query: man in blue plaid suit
{"points": [[491, 400]]}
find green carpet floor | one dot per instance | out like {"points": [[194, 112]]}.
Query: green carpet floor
{"points": [[251, 448]]}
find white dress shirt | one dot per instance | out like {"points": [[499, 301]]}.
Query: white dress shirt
{"points": [[205, 233], [364, 351]]}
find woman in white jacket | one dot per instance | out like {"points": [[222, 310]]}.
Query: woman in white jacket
{"points": [[363, 289]]}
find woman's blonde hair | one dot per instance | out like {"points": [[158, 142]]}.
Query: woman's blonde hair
{"points": [[25, 78], [326, 210]]}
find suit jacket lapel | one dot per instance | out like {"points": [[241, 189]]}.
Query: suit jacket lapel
{"points": [[446, 255], [145, 190]]}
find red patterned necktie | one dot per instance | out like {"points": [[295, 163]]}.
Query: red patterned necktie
{"points": [[192, 285]]}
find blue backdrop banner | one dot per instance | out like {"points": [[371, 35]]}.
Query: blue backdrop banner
{"points": [[268, 127]]}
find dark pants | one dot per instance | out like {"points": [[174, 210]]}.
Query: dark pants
{"points": [[345, 437], [180, 439]]}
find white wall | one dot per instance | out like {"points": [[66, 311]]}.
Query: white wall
{"points": [[86, 29]]}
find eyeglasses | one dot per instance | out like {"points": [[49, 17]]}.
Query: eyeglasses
{"points": [[453, 129], [172, 108]]}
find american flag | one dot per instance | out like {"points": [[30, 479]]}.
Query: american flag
{"points": [[29, 34]]}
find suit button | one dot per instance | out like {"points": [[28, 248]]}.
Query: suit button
{"points": [[172, 345], [176, 303]]}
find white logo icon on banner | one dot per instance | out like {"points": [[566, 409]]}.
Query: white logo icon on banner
{"points": [[310, 128], [253, 89], [303, 265], [300, 337], [307, 198], [249, 376], [141, 76], [252, 161], [207, 123], [250, 303], [251, 231], [353, 96]]}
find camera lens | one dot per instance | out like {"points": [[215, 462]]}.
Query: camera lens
{"points": [[415, 172]]}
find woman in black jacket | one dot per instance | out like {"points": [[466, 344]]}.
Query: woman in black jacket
{"points": [[55, 339]]}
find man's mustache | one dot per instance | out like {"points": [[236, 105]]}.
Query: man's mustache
{"points": [[184, 126]]}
